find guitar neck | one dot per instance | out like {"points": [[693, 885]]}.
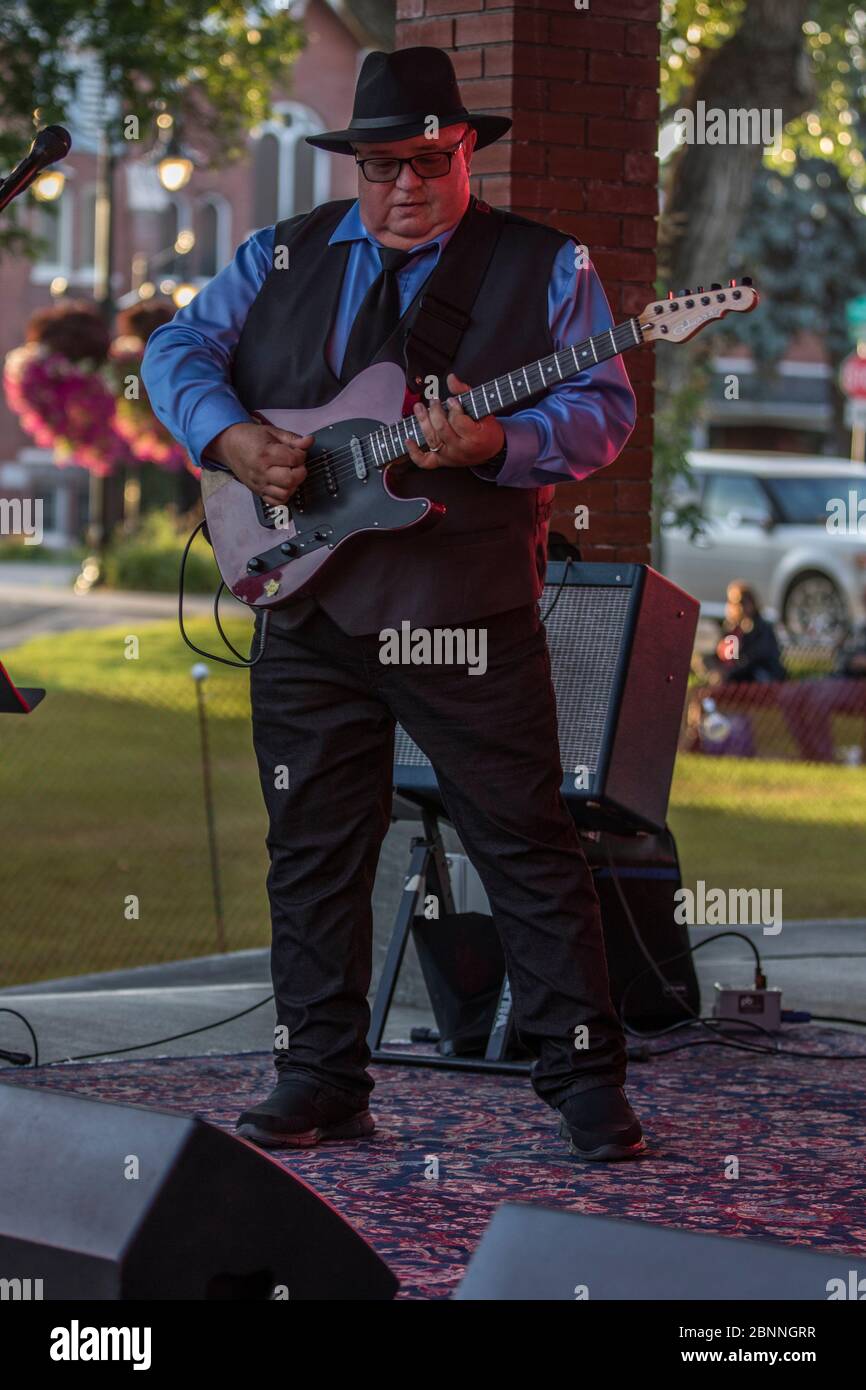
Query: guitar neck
{"points": [[389, 442]]}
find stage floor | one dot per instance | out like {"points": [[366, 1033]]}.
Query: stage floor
{"points": [[450, 1147], [819, 966]]}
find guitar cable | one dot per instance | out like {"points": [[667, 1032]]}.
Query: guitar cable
{"points": [[212, 656]]}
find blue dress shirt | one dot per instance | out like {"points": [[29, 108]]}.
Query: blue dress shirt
{"points": [[578, 427]]}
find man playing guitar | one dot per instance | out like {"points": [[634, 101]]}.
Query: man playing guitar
{"points": [[304, 307]]}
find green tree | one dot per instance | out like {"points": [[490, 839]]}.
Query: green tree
{"points": [[805, 243], [210, 63], [805, 58]]}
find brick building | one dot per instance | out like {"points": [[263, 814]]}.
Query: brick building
{"points": [[581, 85]]}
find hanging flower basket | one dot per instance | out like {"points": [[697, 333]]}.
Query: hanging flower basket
{"points": [[147, 438], [65, 406]]}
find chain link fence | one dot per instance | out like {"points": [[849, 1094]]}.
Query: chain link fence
{"points": [[770, 786], [105, 847], [106, 860]]}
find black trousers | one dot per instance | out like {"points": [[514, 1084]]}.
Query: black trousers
{"points": [[324, 707]]}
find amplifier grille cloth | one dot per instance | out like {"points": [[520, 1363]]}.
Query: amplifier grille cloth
{"points": [[585, 636]]}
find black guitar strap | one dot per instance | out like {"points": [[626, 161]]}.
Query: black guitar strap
{"points": [[448, 297]]}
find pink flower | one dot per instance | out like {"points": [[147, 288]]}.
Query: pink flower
{"points": [[65, 406]]}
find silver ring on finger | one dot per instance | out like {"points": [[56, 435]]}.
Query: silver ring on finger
{"points": [[431, 450]]}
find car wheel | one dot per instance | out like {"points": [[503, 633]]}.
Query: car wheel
{"points": [[814, 610]]}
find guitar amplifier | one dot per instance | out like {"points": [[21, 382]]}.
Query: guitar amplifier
{"points": [[620, 639]]}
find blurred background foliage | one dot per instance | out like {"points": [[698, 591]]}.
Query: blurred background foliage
{"points": [[213, 62], [791, 216]]}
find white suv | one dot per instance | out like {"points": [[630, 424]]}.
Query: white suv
{"points": [[774, 520]]}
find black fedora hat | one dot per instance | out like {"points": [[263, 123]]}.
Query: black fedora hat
{"points": [[395, 97]]}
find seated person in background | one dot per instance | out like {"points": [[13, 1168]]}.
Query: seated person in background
{"points": [[850, 660], [747, 649]]}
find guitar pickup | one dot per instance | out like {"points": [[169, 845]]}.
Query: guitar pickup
{"points": [[358, 458], [276, 516]]}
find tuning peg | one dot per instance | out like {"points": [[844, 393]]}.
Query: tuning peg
{"points": [[670, 294], [715, 286], [732, 284], [746, 280], [699, 289]]}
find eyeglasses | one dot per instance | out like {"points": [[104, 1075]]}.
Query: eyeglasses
{"points": [[434, 165]]}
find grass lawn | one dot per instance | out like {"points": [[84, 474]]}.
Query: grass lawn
{"points": [[101, 801], [744, 823]]}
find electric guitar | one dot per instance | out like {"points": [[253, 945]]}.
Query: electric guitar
{"points": [[269, 555]]}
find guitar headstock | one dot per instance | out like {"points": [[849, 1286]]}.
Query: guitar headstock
{"points": [[681, 316]]}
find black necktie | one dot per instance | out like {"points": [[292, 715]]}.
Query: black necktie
{"points": [[378, 315]]}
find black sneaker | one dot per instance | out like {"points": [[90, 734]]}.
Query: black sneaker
{"points": [[600, 1125], [298, 1114]]}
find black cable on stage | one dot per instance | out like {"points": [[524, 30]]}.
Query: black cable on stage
{"points": [[717, 1024], [776, 1052], [834, 1018], [136, 1047], [155, 1042], [689, 950], [710, 1021], [695, 1018], [13, 1056]]}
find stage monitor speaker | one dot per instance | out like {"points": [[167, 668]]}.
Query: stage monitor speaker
{"points": [[101, 1201], [620, 639], [534, 1253]]}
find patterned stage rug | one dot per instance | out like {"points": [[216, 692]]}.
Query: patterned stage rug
{"points": [[794, 1126]]}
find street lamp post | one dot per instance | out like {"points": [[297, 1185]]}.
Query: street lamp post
{"points": [[175, 170], [103, 500]]}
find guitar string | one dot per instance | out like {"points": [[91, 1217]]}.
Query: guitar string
{"points": [[334, 463], [345, 453]]}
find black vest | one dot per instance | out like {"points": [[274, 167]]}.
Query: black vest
{"points": [[488, 553]]}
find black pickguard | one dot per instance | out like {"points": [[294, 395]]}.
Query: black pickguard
{"points": [[334, 502]]}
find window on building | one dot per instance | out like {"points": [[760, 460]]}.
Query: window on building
{"points": [[167, 263], [206, 251], [85, 253], [266, 173], [289, 175], [52, 223], [48, 220], [305, 156]]}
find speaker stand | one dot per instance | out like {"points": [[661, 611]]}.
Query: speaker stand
{"points": [[428, 874]]}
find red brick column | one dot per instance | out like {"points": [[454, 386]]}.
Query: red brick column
{"points": [[581, 86]]}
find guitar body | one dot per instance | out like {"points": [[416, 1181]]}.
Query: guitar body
{"points": [[268, 561], [270, 556]]}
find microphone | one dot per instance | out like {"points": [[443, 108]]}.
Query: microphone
{"points": [[51, 144]]}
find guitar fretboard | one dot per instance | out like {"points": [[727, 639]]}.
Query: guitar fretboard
{"points": [[389, 442]]}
